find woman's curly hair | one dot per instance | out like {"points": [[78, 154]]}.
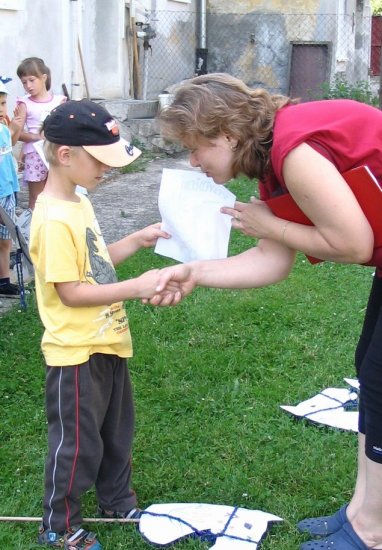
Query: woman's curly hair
{"points": [[215, 104]]}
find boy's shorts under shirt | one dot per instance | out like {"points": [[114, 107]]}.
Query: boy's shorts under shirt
{"points": [[9, 205]]}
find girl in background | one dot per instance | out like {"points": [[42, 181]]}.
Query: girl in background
{"points": [[33, 108]]}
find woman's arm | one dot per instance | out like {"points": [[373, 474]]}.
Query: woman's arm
{"points": [[265, 264], [77, 294], [341, 232]]}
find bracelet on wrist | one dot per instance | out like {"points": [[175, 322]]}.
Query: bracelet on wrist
{"points": [[283, 231]]}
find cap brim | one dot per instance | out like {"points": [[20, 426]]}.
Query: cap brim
{"points": [[3, 89], [116, 154]]}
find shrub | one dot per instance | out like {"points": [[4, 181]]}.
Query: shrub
{"points": [[341, 88]]}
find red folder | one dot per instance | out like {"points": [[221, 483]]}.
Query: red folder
{"points": [[368, 193]]}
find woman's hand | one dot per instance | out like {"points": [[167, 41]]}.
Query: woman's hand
{"points": [[254, 219]]}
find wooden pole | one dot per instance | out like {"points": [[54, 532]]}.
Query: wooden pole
{"points": [[131, 62], [83, 68], [136, 69], [86, 520]]}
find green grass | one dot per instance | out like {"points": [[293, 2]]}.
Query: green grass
{"points": [[209, 377]]}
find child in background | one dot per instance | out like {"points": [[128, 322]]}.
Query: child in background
{"points": [[34, 107], [9, 185], [87, 340]]}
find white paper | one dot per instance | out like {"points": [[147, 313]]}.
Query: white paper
{"points": [[39, 147], [327, 408], [353, 382], [189, 203], [240, 529]]}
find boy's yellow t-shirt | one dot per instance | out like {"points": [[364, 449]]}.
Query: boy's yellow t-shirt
{"points": [[66, 245]]}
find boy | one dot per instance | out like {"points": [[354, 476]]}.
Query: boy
{"points": [[87, 339], [9, 185]]}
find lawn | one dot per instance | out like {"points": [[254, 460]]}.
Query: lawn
{"points": [[209, 378]]}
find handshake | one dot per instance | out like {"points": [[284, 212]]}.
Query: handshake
{"points": [[167, 286]]}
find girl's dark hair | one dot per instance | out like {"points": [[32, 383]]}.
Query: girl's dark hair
{"points": [[34, 66], [208, 106]]}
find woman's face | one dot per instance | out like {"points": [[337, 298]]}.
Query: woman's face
{"points": [[214, 158]]}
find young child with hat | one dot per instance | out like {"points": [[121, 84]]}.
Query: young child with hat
{"points": [[9, 185], [87, 339]]}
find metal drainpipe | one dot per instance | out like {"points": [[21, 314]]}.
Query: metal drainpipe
{"points": [[201, 51]]}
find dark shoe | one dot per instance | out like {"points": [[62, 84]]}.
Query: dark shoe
{"points": [[9, 290], [51, 538], [134, 513], [82, 540], [345, 539], [325, 525]]}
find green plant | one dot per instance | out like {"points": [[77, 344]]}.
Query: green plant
{"points": [[342, 88], [209, 377], [376, 7], [140, 164]]}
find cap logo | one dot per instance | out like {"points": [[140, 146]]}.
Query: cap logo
{"points": [[130, 150], [112, 126]]}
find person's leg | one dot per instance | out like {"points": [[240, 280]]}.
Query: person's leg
{"points": [[114, 478], [367, 521], [74, 454], [35, 174], [5, 255], [326, 525], [6, 287], [74, 444], [35, 188]]}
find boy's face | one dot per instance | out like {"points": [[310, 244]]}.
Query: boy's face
{"points": [[85, 169], [3, 108]]}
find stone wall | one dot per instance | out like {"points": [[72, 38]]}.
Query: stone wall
{"points": [[137, 122]]}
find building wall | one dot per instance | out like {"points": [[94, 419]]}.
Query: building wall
{"points": [[249, 38], [25, 34], [52, 29], [259, 34]]}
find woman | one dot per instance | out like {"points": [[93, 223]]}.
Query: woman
{"points": [[301, 149]]}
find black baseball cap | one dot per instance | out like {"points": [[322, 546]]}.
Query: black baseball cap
{"points": [[87, 124]]}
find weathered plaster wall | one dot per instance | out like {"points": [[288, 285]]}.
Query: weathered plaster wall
{"points": [[252, 38], [105, 48], [25, 33]]}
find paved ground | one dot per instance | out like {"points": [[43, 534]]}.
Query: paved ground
{"points": [[126, 202], [123, 202]]}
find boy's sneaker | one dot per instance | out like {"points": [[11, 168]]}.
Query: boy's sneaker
{"points": [[9, 290], [51, 538], [74, 539], [82, 540], [134, 513]]}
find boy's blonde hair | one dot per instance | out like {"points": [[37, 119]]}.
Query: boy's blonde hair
{"points": [[50, 151]]}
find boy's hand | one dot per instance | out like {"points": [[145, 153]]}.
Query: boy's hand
{"points": [[178, 275], [169, 294], [149, 235]]}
